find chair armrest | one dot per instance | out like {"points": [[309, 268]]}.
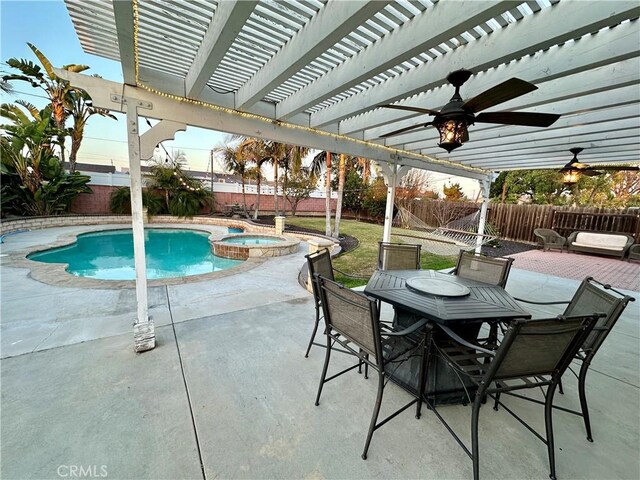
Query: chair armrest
{"points": [[561, 302], [413, 328], [454, 336]]}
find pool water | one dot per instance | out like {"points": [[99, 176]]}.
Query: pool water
{"points": [[108, 255], [246, 240]]}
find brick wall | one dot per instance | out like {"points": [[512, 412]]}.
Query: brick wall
{"points": [[97, 203], [93, 203]]}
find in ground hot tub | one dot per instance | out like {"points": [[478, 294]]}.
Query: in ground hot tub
{"points": [[246, 245]]}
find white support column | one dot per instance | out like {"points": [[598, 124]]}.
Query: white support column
{"points": [[143, 329], [485, 185], [391, 173]]}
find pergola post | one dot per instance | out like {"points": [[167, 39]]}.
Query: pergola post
{"points": [[143, 329], [392, 172], [485, 185]]}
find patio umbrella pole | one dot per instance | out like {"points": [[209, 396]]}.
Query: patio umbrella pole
{"points": [[485, 185], [143, 329]]}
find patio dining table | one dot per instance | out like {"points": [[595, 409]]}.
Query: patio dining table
{"points": [[461, 304]]}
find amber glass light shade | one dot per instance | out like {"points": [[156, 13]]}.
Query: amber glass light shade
{"points": [[570, 176], [452, 133]]}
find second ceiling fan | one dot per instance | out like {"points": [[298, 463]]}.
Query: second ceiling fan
{"points": [[456, 116], [571, 171]]}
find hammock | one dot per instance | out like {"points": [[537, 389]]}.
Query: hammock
{"points": [[459, 234]]}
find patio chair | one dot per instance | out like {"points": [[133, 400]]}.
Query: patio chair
{"points": [[550, 239], [532, 354], [590, 296], [493, 270], [318, 263], [398, 256], [352, 321]]}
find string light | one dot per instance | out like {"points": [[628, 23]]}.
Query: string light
{"points": [[292, 126]]}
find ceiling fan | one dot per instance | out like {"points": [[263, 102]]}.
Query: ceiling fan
{"points": [[571, 171], [457, 115]]}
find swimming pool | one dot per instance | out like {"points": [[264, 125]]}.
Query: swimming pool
{"points": [[108, 255]]}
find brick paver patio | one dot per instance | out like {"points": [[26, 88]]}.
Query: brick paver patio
{"points": [[617, 273]]}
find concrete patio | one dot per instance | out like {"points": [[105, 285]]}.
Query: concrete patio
{"points": [[227, 393]]}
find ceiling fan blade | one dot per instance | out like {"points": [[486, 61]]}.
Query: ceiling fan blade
{"points": [[405, 129], [591, 173], [412, 109], [617, 169], [512, 88], [529, 119]]}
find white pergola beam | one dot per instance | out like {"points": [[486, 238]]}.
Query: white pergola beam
{"points": [[123, 16], [228, 20], [441, 23], [602, 146], [331, 24], [107, 94], [174, 85], [562, 22], [558, 162], [602, 79], [558, 142]]}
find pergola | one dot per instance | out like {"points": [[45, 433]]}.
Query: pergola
{"points": [[316, 72]]}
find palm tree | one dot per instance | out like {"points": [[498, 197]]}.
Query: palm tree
{"points": [[257, 152], [81, 109], [341, 176], [235, 162], [55, 87], [277, 153], [323, 161], [292, 162]]}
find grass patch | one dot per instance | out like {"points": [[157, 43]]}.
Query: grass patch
{"points": [[362, 260]]}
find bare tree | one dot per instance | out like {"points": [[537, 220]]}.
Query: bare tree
{"points": [[413, 186]]}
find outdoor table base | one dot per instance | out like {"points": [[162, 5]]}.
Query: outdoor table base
{"points": [[443, 386]]}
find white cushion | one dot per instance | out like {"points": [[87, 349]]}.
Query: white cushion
{"points": [[616, 249], [600, 240]]}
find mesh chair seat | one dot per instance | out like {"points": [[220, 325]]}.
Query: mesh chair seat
{"points": [[398, 256], [532, 354], [352, 321], [483, 268]]}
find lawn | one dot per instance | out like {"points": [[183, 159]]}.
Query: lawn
{"points": [[362, 260]]}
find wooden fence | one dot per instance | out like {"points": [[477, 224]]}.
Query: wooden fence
{"points": [[517, 222]]}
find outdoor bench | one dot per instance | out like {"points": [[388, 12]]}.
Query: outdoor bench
{"points": [[615, 244]]}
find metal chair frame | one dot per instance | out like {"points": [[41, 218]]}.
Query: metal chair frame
{"points": [[466, 358], [313, 259], [416, 336], [617, 302]]}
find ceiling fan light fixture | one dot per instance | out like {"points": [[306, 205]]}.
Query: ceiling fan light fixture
{"points": [[570, 176], [453, 132]]}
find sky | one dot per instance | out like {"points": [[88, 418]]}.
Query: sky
{"points": [[47, 25]]}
